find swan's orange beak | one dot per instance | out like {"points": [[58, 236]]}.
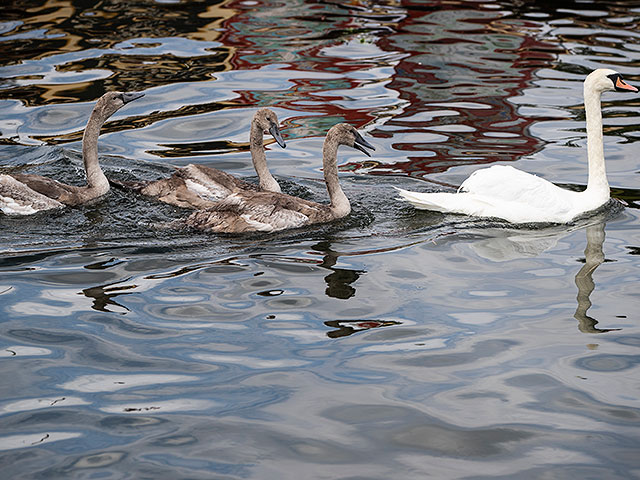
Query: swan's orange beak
{"points": [[622, 85]]}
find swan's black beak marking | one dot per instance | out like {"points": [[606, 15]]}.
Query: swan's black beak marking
{"points": [[360, 144], [274, 130], [130, 97], [620, 84]]}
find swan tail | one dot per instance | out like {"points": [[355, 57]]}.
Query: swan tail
{"points": [[16, 198], [436, 201]]}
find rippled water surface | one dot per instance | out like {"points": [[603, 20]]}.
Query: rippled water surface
{"points": [[390, 344]]}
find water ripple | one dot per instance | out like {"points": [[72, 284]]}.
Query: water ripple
{"points": [[392, 344]]}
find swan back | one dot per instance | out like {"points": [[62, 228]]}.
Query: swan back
{"points": [[198, 186]]}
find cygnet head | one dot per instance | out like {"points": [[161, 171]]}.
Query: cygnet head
{"points": [[605, 79], [111, 102], [268, 122], [346, 134]]}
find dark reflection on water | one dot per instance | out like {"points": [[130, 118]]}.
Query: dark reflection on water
{"points": [[594, 256], [345, 328], [394, 343], [104, 296], [37, 30], [339, 282]]}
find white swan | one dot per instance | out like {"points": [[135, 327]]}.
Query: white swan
{"points": [[199, 186], [247, 211], [504, 192], [25, 194]]}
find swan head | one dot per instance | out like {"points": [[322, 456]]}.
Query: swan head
{"points": [[605, 79], [111, 102], [346, 134], [267, 121]]}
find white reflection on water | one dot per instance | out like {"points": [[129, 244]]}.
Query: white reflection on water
{"points": [[502, 247], [476, 318], [250, 362], [115, 382], [12, 442], [430, 344], [24, 351], [28, 404], [151, 406]]}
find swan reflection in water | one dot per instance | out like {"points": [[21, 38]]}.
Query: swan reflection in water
{"points": [[505, 246], [594, 256], [103, 296], [339, 285], [340, 282], [340, 279]]}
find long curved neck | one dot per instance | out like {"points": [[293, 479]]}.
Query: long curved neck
{"points": [[97, 182], [340, 206], [597, 183], [256, 145]]}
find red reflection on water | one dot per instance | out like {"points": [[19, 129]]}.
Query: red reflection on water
{"points": [[497, 132], [344, 328], [477, 88], [462, 57], [257, 38]]}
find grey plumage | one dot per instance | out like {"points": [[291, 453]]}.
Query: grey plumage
{"points": [[197, 186], [249, 211], [24, 194]]}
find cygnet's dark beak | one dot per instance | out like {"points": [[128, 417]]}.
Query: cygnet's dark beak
{"points": [[360, 144], [274, 130], [130, 97]]}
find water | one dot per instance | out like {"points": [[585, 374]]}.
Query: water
{"points": [[391, 344]]}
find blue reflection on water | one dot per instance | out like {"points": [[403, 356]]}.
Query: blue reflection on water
{"points": [[391, 344]]}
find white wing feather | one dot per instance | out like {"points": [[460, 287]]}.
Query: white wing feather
{"points": [[502, 191]]}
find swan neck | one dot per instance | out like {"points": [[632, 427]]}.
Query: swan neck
{"points": [[259, 159], [340, 206], [597, 182], [96, 179]]}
